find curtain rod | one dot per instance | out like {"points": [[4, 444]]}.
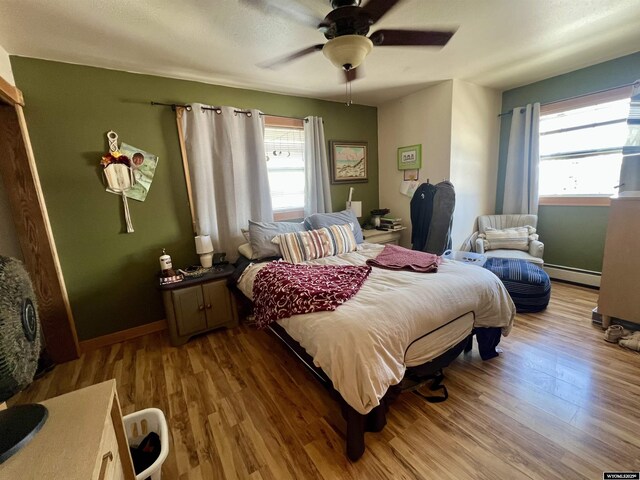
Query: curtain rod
{"points": [[218, 110], [579, 96], [172, 105], [284, 116]]}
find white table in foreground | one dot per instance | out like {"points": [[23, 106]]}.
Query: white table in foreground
{"points": [[83, 439]]}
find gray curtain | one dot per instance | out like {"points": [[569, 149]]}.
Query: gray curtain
{"points": [[317, 196], [523, 158], [228, 172]]}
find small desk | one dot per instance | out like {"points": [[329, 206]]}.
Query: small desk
{"points": [[82, 439], [383, 236]]}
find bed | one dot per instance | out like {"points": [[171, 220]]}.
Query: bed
{"points": [[398, 322]]}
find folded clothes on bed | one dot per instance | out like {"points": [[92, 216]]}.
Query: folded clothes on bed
{"points": [[283, 289], [394, 257]]}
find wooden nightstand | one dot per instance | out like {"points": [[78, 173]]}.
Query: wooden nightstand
{"points": [[382, 236], [197, 305]]}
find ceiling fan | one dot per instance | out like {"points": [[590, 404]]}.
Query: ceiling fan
{"points": [[346, 28]]}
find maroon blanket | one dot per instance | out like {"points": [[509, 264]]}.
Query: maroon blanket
{"points": [[394, 257], [283, 289]]}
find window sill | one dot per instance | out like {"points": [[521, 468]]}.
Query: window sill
{"points": [[575, 201], [281, 215]]}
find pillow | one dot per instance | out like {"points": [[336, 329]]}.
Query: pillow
{"points": [[261, 234], [246, 250], [321, 220], [516, 238], [343, 239], [297, 247], [245, 233]]}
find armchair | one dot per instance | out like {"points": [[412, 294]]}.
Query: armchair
{"points": [[501, 222]]}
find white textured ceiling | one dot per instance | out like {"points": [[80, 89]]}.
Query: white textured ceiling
{"points": [[499, 43]]}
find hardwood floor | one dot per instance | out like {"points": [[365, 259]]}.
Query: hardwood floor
{"points": [[559, 403]]}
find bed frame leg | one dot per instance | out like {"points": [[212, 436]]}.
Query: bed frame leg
{"points": [[469, 346], [355, 433], [358, 424]]}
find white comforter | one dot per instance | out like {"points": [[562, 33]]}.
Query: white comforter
{"points": [[361, 345]]}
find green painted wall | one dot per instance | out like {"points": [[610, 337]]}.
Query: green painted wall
{"points": [[573, 236], [567, 229], [110, 275]]}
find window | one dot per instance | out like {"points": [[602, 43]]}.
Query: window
{"points": [[284, 150], [581, 147]]}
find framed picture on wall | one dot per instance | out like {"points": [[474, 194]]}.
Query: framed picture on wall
{"points": [[410, 158], [349, 161]]}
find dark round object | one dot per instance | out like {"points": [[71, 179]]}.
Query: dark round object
{"points": [[18, 426], [19, 352], [19, 328], [29, 320]]}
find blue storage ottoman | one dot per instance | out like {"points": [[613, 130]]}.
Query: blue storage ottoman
{"points": [[528, 284]]}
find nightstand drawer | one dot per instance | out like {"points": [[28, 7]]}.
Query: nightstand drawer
{"points": [[189, 310], [217, 303], [383, 236]]}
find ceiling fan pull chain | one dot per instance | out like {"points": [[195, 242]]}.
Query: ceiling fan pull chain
{"points": [[348, 93]]}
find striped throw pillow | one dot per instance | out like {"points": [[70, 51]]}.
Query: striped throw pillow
{"points": [[508, 239], [296, 247], [344, 241]]}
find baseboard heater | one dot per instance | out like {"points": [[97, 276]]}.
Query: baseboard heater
{"points": [[575, 275]]}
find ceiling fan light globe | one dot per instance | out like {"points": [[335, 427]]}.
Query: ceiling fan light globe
{"points": [[347, 50]]}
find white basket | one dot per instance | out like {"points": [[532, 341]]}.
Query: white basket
{"points": [[137, 426], [466, 257]]}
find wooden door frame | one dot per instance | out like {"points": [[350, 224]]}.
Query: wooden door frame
{"points": [[29, 212]]}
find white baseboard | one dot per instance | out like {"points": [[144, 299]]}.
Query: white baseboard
{"points": [[568, 274]]}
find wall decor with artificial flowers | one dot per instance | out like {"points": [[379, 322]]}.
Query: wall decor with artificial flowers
{"points": [[128, 171]]}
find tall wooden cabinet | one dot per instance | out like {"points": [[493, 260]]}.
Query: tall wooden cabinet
{"points": [[29, 212], [620, 282]]}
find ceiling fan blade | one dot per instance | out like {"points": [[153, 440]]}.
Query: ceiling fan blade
{"points": [[287, 9], [410, 37], [278, 62], [377, 8]]}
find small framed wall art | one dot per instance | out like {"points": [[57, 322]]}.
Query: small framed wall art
{"points": [[349, 162], [410, 158]]}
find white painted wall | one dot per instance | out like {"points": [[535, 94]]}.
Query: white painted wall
{"points": [[423, 118], [5, 66], [457, 124], [475, 130], [9, 245]]}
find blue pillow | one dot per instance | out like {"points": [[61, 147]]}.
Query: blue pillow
{"points": [[261, 234], [321, 220]]}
